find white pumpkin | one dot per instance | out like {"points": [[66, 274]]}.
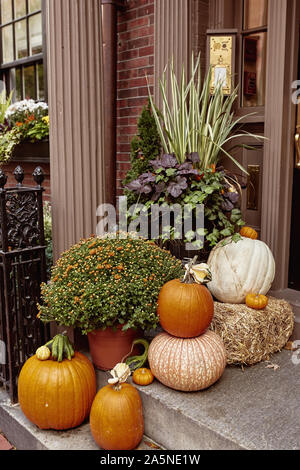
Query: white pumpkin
{"points": [[239, 268]]}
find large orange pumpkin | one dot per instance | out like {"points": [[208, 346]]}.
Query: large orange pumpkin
{"points": [[185, 308], [189, 364], [57, 395], [116, 417]]}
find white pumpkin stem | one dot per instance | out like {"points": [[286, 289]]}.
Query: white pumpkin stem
{"points": [[188, 278]]}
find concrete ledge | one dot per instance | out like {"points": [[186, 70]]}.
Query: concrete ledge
{"points": [[26, 436], [257, 408]]}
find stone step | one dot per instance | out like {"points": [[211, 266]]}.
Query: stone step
{"points": [[293, 297], [26, 436], [255, 408]]}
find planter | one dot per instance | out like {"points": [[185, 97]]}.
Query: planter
{"points": [[32, 152], [109, 346]]}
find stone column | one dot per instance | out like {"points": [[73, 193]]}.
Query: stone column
{"points": [[172, 20], [75, 87]]}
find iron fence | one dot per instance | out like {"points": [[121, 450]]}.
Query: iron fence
{"points": [[22, 269]]}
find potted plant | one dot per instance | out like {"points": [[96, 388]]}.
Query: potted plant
{"points": [[24, 133], [108, 288], [195, 129]]}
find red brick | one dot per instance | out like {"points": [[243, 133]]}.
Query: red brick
{"points": [[146, 10], [127, 15], [127, 55], [133, 63], [145, 71], [137, 3], [145, 51], [137, 23], [129, 92], [138, 42]]}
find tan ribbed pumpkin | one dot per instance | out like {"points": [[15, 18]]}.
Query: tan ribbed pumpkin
{"points": [[187, 364]]}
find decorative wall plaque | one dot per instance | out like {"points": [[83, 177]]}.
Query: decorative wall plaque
{"points": [[221, 51]]}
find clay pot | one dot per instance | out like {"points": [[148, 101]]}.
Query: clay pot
{"points": [[109, 346]]}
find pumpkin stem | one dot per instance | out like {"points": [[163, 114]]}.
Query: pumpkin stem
{"points": [[188, 277]]}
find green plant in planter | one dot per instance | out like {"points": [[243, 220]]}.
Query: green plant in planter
{"points": [[24, 121], [104, 282], [144, 147], [193, 120], [168, 183], [4, 104]]}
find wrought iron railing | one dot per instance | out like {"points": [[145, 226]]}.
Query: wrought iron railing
{"points": [[22, 269]]}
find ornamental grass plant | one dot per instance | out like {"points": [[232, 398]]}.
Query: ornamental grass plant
{"points": [[192, 120], [104, 282]]}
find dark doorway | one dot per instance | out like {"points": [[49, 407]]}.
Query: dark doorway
{"points": [[294, 264]]}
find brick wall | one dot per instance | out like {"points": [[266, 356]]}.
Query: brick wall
{"points": [[28, 168], [135, 62]]}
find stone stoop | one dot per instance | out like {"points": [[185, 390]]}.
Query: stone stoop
{"points": [[26, 436], [256, 408]]}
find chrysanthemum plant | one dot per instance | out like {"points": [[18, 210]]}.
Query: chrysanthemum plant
{"points": [[105, 282]]}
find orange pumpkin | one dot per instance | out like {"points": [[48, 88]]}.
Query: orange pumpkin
{"points": [[57, 395], [256, 301], [142, 376], [248, 232], [116, 417], [185, 308]]}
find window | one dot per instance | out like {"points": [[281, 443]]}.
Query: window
{"points": [[21, 51], [254, 48]]}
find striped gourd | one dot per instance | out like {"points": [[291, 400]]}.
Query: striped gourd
{"points": [[187, 364]]}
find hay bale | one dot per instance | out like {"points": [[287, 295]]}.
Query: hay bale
{"points": [[249, 335]]}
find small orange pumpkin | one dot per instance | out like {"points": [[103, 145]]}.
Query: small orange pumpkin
{"points": [[142, 376], [256, 301], [249, 232]]}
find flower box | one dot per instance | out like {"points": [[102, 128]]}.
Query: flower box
{"points": [[31, 152]]}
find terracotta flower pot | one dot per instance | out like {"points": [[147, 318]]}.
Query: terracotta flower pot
{"points": [[109, 346]]}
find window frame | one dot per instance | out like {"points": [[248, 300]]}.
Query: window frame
{"points": [[259, 111], [36, 59]]}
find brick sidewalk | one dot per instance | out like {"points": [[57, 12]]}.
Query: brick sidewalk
{"points": [[4, 444]]}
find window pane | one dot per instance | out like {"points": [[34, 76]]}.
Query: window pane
{"points": [[6, 11], [20, 8], [40, 77], [29, 82], [35, 33], [254, 69], [34, 5], [18, 87], [255, 13], [21, 39], [7, 44]]}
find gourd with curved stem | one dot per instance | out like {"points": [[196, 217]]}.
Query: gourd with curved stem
{"points": [[135, 362]]}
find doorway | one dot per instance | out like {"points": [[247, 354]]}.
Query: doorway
{"points": [[294, 259]]}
